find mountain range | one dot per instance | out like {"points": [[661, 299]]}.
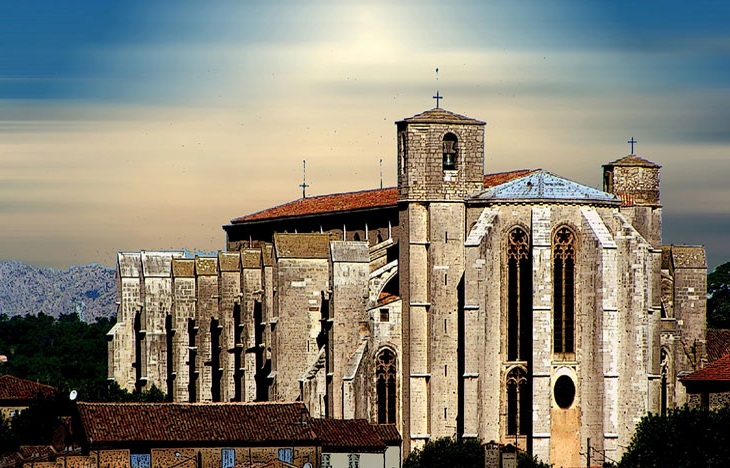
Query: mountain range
{"points": [[88, 290]]}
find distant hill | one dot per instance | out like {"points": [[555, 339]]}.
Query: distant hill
{"points": [[89, 290]]}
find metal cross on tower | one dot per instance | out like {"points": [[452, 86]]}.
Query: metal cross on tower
{"points": [[632, 141], [438, 98], [304, 185]]}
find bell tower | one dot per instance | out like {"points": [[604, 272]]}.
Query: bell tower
{"points": [[440, 156], [440, 162]]}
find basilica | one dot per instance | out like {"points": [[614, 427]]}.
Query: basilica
{"points": [[520, 307]]}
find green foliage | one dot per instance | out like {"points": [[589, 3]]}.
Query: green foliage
{"points": [[37, 424], [718, 292], [447, 453], [451, 453], [64, 352], [524, 460], [7, 437], [684, 437]]}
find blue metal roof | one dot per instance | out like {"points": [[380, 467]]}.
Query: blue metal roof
{"points": [[546, 187]]}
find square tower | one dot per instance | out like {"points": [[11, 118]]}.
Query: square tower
{"points": [[440, 156]]}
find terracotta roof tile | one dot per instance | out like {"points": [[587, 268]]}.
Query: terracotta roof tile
{"points": [[241, 423], [718, 343], [352, 201], [388, 433], [15, 388], [498, 178], [718, 370], [342, 434], [386, 298], [37, 452], [333, 203]]}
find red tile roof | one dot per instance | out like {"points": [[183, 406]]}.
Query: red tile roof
{"points": [[388, 433], [386, 298], [14, 388], [499, 178], [351, 201], [37, 452], [333, 203], [347, 434], [715, 371], [718, 343], [240, 423]]}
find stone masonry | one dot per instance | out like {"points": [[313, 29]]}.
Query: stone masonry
{"points": [[518, 307]]}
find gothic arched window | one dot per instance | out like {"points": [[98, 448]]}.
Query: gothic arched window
{"points": [[449, 151], [519, 410], [519, 296], [564, 292], [385, 368]]}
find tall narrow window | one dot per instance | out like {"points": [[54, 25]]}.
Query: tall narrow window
{"points": [[192, 357], [564, 292], [385, 383], [215, 359], [665, 380], [169, 346], [449, 152], [519, 296], [519, 411]]}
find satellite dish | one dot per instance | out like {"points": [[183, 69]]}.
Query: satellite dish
{"points": [[72, 396]]}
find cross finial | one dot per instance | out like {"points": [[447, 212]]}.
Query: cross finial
{"points": [[304, 185], [632, 141], [438, 97]]}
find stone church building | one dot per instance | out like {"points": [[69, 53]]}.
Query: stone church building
{"points": [[519, 307]]}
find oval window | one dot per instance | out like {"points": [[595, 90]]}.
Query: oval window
{"points": [[564, 391]]}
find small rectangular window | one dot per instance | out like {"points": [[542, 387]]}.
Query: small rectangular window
{"points": [[228, 458], [326, 460], [286, 455], [353, 460], [384, 315], [140, 460]]}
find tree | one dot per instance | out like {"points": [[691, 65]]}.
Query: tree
{"points": [[447, 453], [451, 453], [7, 437], [684, 437], [718, 297]]}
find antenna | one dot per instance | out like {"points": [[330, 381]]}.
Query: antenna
{"points": [[381, 173]]}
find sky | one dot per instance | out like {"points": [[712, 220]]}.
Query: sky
{"points": [[129, 125]]}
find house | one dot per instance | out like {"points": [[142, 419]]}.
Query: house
{"points": [[709, 387], [225, 435], [17, 394]]}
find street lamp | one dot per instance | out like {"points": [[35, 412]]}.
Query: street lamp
{"points": [[185, 458]]}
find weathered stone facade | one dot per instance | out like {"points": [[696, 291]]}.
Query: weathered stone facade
{"points": [[518, 307]]}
